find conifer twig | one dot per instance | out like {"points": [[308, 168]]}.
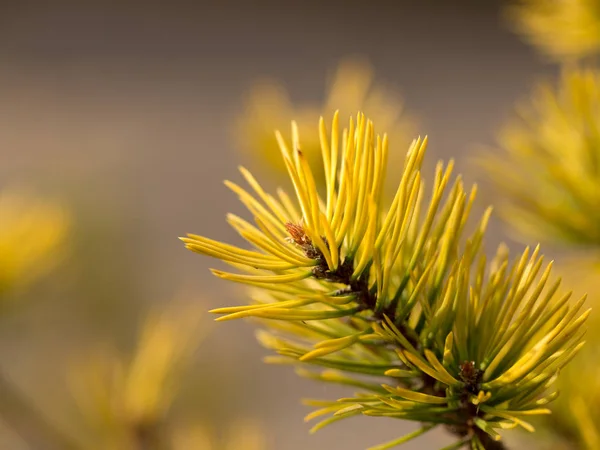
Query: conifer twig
{"points": [[357, 289]]}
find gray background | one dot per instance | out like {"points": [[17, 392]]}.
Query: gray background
{"points": [[126, 109]]}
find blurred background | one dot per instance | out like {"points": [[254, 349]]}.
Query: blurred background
{"points": [[129, 116]]}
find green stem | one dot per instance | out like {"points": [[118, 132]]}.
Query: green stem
{"points": [[403, 439], [458, 444], [489, 444]]}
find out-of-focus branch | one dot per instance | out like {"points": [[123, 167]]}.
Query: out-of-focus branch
{"points": [[28, 422], [149, 436]]}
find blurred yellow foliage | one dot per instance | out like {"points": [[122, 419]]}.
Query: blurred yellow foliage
{"points": [[126, 400], [32, 233], [241, 434], [585, 411], [561, 29], [548, 169], [351, 88], [576, 412]]}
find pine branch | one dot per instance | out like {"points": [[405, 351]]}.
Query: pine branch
{"points": [[461, 338]]}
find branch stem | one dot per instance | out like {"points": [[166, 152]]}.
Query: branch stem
{"points": [[19, 413]]}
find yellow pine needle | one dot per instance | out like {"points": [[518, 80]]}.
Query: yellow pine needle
{"points": [[399, 373], [258, 279], [415, 396], [442, 374]]}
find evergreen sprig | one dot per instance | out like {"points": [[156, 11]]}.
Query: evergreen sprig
{"points": [[397, 301]]}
